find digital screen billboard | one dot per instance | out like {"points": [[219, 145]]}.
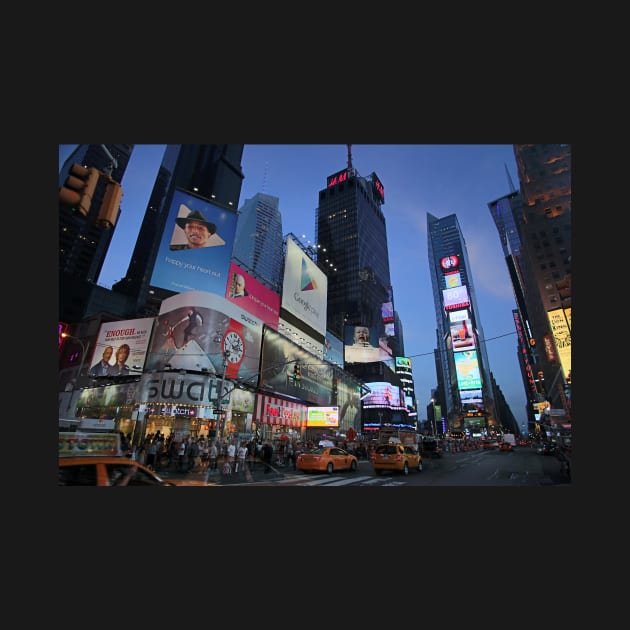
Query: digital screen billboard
{"points": [[251, 295], [462, 336], [288, 369], [196, 246], [384, 395], [362, 345], [305, 288], [467, 369], [322, 417], [455, 298]]}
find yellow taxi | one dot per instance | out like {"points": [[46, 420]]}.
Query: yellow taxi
{"points": [[326, 459], [396, 457], [96, 459]]}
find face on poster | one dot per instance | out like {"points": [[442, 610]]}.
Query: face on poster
{"points": [[180, 266]]}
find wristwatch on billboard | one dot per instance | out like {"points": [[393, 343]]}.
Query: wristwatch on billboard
{"points": [[233, 345]]}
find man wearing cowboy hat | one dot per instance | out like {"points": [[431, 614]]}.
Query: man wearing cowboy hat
{"points": [[197, 229]]}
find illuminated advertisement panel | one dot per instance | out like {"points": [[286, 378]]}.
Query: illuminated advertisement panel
{"points": [[195, 330], [322, 417], [62, 328], [390, 329], [453, 280], [288, 369], [462, 336], [449, 263], [384, 395], [467, 368], [362, 345], [305, 288], [471, 396], [196, 246], [121, 347], [387, 312], [455, 298], [248, 293], [561, 331]]}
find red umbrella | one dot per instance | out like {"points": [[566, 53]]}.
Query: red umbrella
{"points": [[284, 436]]}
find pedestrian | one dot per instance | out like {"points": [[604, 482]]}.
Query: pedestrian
{"points": [[181, 455], [241, 454], [193, 452], [267, 454], [205, 449], [231, 454], [213, 453]]}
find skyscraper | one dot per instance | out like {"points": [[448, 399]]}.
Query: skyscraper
{"points": [[211, 171], [462, 363], [258, 246]]}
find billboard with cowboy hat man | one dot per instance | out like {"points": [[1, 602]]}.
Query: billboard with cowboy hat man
{"points": [[195, 253]]}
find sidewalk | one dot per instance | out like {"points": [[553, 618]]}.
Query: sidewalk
{"points": [[254, 471]]}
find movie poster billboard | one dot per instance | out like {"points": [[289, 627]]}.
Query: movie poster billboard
{"points": [[561, 330], [467, 369], [251, 295], [288, 369], [362, 345], [196, 246], [121, 348], [305, 288], [195, 330]]}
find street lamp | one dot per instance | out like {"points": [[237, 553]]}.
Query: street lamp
{"points": [[432, 401]]}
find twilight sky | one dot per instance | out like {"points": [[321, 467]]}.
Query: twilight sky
{"points": [[441, 179]]}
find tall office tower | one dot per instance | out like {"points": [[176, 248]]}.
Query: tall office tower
{"points": [[83, 242], [258, 245], [351, 235], [465, 373], [209, 171], [544, 172]]}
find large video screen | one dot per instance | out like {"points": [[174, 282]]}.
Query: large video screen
{"points": [[467, 369]]}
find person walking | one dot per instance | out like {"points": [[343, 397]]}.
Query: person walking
{"points": [[241, 454], [213, 453], [231, 453], [267, 454]]}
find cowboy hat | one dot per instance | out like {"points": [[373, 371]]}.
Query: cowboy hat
{"points": [[195, 215]]}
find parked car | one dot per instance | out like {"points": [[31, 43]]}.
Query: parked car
{"points": [[326, 459], [396, 457]]}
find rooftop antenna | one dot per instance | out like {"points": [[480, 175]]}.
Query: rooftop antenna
{"points": [[510, 182], [349, 157], [265, 178]]}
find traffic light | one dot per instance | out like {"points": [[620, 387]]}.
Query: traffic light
{"points": [[108, 212], [79, 188]]}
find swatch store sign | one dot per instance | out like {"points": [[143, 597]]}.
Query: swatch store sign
{"points": [[174, 390]]}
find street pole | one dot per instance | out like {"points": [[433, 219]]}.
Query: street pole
{"points": [[84, 349], [220, 396]]}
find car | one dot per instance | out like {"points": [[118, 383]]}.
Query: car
{"points": [[488, 444], [105, 470], [431, 449], [396, 457], [505, 446], [326, 459]]}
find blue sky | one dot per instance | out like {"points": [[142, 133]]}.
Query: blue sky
{"points": [[440, 179]]}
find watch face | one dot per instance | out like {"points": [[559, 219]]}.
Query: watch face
{"points": [[233, 347]]}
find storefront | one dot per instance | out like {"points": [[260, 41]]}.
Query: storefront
{"points": [[278, 419]]}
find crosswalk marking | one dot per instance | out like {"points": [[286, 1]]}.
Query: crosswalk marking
{"points": [[337, 480]]}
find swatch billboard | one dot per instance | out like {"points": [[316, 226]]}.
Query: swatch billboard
{"points": [[195, 330], [196, 246]]}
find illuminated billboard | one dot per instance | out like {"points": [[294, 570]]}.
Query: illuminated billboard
{"points": [[462, 336], [196, 246], [452, 280], [384, 395], [560, 322], [248, 293], [305, 288], [455, 298], [362, 345], [467, 368], [387, 312], [322, 417], [195, 330], [288, 369], [121, 347]]}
